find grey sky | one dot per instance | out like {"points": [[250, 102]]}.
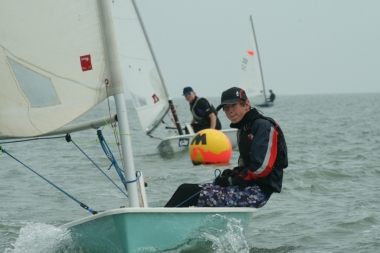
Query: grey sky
{"points": [[305, 46]]}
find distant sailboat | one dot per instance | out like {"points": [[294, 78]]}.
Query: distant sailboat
{"points": [[143, 79], [140, 72], [60, 59], [251, 75]]}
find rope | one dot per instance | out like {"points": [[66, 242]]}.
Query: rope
{"points": [[116, 135], [154, 137], [68, 139], [80, 203], [216, 171], [187, 199], [105, 149], [110, 156], [98, 168], [113, 128]]}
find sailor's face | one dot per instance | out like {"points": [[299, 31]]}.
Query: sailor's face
{"points": [[190, 97], [235, 112]]}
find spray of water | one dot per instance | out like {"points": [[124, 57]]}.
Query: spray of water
{"points": [[39, 237], [229, 239]]}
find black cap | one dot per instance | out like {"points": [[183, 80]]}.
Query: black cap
{"points": [[187, 91], [232, 96]]}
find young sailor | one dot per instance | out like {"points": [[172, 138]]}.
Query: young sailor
{"points": [[263, 156], [204, 114]]}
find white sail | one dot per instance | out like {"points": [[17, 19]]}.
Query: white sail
{"points": [[251, 79], [46, 50], [139, 71], [52, 64]]}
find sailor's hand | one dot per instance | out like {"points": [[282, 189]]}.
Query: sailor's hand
{"points": [[238, 169], [230, 173], [226, 172], [222, 181], [237, 180]]}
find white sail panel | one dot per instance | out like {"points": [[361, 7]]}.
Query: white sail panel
{"points": [[52, 64], [250, 74], [139, 71]]}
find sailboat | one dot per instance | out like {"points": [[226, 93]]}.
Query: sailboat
{"points": [[177, 143], [58, 60], [146, 85], [251, 74]]}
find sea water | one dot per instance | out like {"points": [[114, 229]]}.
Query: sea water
{"points": [[329, 201]]}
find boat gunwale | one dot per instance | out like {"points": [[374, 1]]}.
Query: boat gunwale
{"points": [[192, 135], [168, 210]]}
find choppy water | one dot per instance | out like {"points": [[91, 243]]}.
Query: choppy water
{"points": [[329, 203]]}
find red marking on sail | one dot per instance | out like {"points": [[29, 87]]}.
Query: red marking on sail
{"points": [[155, 98], [85, 62], [251, 53]]}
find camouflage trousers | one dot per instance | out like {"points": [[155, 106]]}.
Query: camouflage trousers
{"points": [[231, 196]]}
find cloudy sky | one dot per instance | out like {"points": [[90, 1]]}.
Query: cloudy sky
{"points": [[305, 46]]}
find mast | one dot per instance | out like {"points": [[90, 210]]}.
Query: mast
{"points": [[258, 56], [118, 91], [171, 106]]}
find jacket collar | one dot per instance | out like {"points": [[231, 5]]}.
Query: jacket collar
{"points": [[246, 118]]}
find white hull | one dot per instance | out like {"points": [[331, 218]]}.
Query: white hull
{"points": [[136, 229], [180, 143]]}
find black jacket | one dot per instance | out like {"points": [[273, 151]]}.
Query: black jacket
{"points": [[201, 108], [258, 152]]}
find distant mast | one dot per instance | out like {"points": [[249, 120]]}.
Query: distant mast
{"points": [[171, 106], [258, 56]]}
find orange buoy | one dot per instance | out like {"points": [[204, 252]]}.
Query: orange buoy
{"points": [[210, 146]]}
